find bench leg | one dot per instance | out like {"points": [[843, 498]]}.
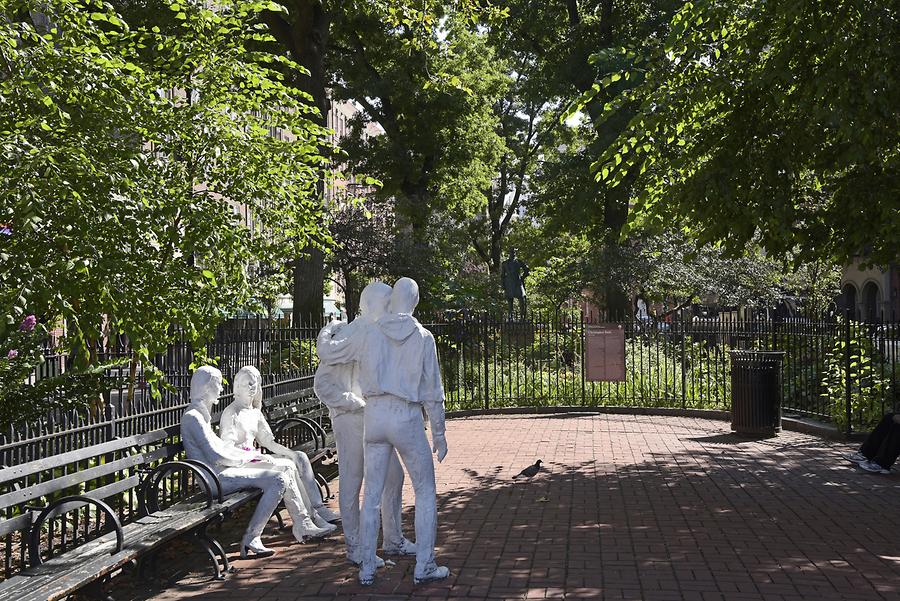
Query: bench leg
{"points": [[324, 488], [148, 565], [277, 514], [202, 541], [217, 547], [96, 591]]}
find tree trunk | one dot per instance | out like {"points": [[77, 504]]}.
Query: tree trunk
{"points": [[351, 295], [306, 38], [496, 251], [309, 287], [615, 210]]}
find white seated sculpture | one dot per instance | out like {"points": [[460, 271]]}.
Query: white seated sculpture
{"points": [[336, 386], [398, 375], [239, 469], [243, 424]]}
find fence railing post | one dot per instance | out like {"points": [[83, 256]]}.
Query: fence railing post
{"points": [[680, 321], [847, 381], [581, 339], [487, 402]]}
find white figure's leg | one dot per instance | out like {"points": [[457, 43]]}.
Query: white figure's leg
{"points": [[311, 488], [377, 457], [348, 435], [296, 502], [272, 482], [394, 543], [408, 436]]}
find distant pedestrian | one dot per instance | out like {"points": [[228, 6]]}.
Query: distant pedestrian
{"points": [[881, 448]]}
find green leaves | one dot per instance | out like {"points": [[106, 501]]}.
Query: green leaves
{"points": [[126, 152], [761, 135]]}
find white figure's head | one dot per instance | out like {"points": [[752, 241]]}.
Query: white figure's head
{"points": [[206, 385], [373, 301], [248, 387], [405, 296]]}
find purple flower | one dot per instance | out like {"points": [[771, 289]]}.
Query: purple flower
{"points": [[12, 354], [5, 229], [28, 323]]}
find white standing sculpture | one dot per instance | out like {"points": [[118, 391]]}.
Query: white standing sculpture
{"points": [[243, 424], [336, 386], [237, 469], [398, 375]]}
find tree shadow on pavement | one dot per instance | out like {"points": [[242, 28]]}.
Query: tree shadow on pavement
{"points": [[707, 518]]}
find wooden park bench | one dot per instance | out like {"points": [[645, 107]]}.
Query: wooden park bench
{"points": [[72, 520]]}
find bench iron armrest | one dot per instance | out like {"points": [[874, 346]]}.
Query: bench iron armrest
{"points": [[322, 433], [62, 506], [212, 475], [207, 477], [317, 431]]}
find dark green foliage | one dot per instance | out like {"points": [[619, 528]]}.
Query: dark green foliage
{"points": [[774, 122]]}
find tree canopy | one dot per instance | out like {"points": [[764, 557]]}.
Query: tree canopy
{"points": [[148, 173], [775, 121]]}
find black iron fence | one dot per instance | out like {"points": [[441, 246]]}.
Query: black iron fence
{"points": [[285, 357], [835, 369]]}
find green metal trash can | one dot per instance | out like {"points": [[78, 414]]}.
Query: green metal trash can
{"points": [[756, 392]]}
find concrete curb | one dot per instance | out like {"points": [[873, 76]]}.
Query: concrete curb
{"points": [[795, 424]]}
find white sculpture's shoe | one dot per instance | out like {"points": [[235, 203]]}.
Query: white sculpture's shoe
{"points": [[255, 547], [431, 573], [329, 515], [319, 521], [366, 575], [308, 530], [353, 556], [405, 547]]}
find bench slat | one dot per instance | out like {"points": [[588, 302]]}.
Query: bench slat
{"points": [[59, 576], [98, 493], [20, 522], [34, 467], [50, 486]]}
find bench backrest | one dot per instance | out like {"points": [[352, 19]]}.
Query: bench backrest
{"points": [[287, 408], [110, 472]]}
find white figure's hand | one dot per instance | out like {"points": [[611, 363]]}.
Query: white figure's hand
{"points": [[897, 418], [440, 446], [328, 332]]}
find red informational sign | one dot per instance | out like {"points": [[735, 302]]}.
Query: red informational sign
{"points": [[604, 346]]}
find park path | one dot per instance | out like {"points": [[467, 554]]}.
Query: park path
{"points": [[629, 507]]}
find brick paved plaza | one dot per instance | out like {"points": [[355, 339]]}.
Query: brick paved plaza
{"points": [[629, 507]]}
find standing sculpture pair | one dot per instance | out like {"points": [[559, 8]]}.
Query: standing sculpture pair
{"points": [[376, 375], [284, 474]]}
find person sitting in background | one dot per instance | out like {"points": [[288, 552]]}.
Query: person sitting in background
{"points": [[881, 448]]}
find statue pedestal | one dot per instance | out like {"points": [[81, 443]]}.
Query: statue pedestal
{"points": [[517, 333]]}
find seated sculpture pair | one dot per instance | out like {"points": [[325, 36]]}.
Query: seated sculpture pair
{"points": [[284, 474], [376, 375]]}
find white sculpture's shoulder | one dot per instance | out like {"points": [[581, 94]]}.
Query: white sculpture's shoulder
{"points": [[192, 415]]}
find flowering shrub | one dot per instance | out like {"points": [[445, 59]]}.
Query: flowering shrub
{"points": [[23, 396]]}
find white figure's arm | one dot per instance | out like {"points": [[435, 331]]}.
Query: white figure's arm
{"points": [[346, 401], [266, 439], [435, 411], [200, 434], [330, 385], [227, 429], [431, 390], [338, 349]]}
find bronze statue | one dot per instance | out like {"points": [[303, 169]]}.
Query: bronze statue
{"points": [[512, 275]]}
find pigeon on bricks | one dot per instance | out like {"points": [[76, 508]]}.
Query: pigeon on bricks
{"points": [[530, 471]]}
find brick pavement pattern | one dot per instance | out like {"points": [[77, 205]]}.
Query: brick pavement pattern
{"points": [[628, 507]]}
